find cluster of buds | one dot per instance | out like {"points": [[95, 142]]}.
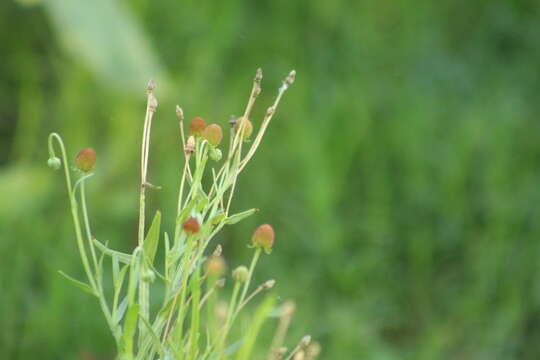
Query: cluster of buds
{"points": [[211, 133]]}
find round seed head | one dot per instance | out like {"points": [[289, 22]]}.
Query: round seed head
{"points": [[240, 274], [197, 125], [213, 134], [54, 163], [86, 159], [244, 125], [313, 350], [299, 355], [191, 226], [215, 266], [263, 237]]}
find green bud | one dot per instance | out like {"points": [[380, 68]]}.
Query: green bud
{"points": [[54, 163], [148, 276], [240, 274], [215, 154]]}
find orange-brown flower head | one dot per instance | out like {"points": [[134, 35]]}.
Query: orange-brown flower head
{"points": [[213, 134], [197, 126], [86, 159], [263, 237], [191, 226], [244, 125], [215, 266]]}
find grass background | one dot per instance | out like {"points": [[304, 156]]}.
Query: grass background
{"points": [[402, 171]]}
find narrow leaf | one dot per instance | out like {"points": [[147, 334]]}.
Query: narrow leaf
{"points": [[152, 238], [81, 285]]}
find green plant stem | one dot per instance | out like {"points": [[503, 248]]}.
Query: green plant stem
{"points": [[256, 256]]}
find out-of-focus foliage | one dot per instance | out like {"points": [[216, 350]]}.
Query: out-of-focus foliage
{"points": [[402, 171]]}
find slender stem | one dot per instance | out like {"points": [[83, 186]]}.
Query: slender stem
{"points": [[256, 256]]}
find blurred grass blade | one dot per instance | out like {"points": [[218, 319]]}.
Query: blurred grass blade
{"points": [[251, 334], [122, 257], [105, 36]]}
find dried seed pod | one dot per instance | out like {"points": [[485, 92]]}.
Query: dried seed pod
{"points": [[240, 274], [86, 159], [263, 237], [190, 145], [244, 125], [197, 126], [213, 134], [191, 226]]}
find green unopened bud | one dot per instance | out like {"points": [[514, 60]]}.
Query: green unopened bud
{"points": [[245, 126], [191, 226], [197, 126], [240, 274], [54, 163], [215, 266], [263, 237], [86, 159], [215, 154], [213, 134], [148, 276]]}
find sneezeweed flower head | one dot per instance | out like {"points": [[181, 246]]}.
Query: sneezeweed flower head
{"points": [[215, 266], [213, 134], [240, 274], [246, 126], [197, 126], [263, 237], [86, 159], [191, 226]]}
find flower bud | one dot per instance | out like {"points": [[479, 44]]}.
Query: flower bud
{"points": [[197, 126], [240, 274], [54, 163], [215, 154], [215, 266], [313, 350], [148, 276], [191, 226], [86, 159], [213, 134], [300, 355], [244, 125], [263, 237]]}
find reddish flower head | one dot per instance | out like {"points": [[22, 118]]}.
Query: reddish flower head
{"points": [[86, 159], [191, 226], [197, 126], [246, 126], [263, 237], [213, 134]]}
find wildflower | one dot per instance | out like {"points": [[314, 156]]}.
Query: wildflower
{"points": [[197, 126], [263, 237], [191, 226], [244, 125], [213, 134], [86, 159], [240, 274], [215, 266]]}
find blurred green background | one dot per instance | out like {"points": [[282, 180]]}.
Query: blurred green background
{"points": [[402, 170]]}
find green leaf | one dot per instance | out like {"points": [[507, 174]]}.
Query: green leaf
{"points": [[233, 219], [256, 323], [130, 325], [155, 338], [81, 285], [122, 257], [152, 238]]}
